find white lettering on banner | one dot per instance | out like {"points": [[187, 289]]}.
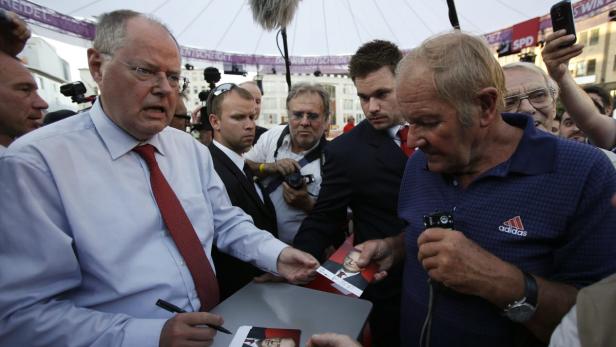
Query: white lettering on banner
{"points": [[29, 10], [586, 7], [523, 42]]}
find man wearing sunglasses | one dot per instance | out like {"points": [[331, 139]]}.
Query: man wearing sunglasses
{"points": [[232, 117], [294, 150], [113, 210]]}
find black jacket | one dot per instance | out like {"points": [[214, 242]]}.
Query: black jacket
{"points": [[363, 170], [232, 273]]}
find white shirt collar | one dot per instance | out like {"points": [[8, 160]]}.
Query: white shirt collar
{"points": [[393, 130], [237, 159]]}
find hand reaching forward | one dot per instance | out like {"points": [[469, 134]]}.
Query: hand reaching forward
{"points": [[296, 266]]}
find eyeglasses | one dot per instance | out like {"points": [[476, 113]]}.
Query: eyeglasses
{"points": [[153, 77], [538, 98], [220, 89], [312, 116]]}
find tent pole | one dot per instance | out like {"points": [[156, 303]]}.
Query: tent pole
{"points": [[286, 56]]}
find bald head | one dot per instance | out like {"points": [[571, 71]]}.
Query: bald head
{"points": [[253, 88], [21, 108]]}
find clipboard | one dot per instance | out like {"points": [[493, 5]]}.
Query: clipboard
{"points": [[282, 305]]}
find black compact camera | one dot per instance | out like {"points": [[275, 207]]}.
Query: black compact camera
{"points": [[439, 220], [296, 179]]}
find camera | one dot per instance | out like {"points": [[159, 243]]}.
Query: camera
{"points": [[76, 90], [439, 220], [296, 179]]}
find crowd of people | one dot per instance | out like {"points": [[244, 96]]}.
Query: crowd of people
{"points": [[117, 206]]}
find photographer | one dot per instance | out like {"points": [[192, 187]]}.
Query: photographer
{"points": [[288, 157]]}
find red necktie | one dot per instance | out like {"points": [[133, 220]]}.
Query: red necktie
{"points": [[403, 133], [182, 231]]}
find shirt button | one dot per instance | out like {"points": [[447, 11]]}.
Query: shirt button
{"points": [[181, 263], [455, 183]]}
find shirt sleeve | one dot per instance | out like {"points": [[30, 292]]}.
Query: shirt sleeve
{"points": [[566, 333], [235, 232], [38, 264]]}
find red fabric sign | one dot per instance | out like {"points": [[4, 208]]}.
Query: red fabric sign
{"points": [[524, 34]]}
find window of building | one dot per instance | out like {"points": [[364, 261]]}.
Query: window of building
{"points": [[268, 103], [580, 69], [594, 37], [590, 67], [582, 37], [348, 105], [271, 118]]}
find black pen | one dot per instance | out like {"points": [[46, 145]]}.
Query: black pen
{"points": [[172, 308]]}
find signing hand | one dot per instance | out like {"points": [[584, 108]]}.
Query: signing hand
{"points": [[189, 329], [555, 57], [296, 266]]}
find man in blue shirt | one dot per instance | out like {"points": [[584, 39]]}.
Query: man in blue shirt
{"points": [[88, 244], [531, 216]]}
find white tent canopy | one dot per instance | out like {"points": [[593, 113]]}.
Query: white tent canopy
{"points": [[319, 28]]}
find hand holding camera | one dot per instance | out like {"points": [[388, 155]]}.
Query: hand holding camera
{"points": [[283, 167], [297, 195], [560, 46]]}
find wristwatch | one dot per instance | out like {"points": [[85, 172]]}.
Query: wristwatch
{"points": [[522, 310]]}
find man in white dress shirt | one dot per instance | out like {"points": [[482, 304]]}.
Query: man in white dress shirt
{"points": [[85, 247]]}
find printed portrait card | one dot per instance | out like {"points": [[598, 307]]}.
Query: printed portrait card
{"points": [[249, 336], [341, 268]]}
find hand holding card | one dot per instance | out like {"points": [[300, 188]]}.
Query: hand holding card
{"points": [[343, 271]]}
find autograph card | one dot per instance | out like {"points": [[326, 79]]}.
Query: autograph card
{"points": [[249, 336], [342, 270]]}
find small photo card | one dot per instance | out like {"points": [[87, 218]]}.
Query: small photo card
{"points": [[342, 270], [249, 336]]}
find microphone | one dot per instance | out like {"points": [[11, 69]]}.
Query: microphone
{"points": [[272, 14]]}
